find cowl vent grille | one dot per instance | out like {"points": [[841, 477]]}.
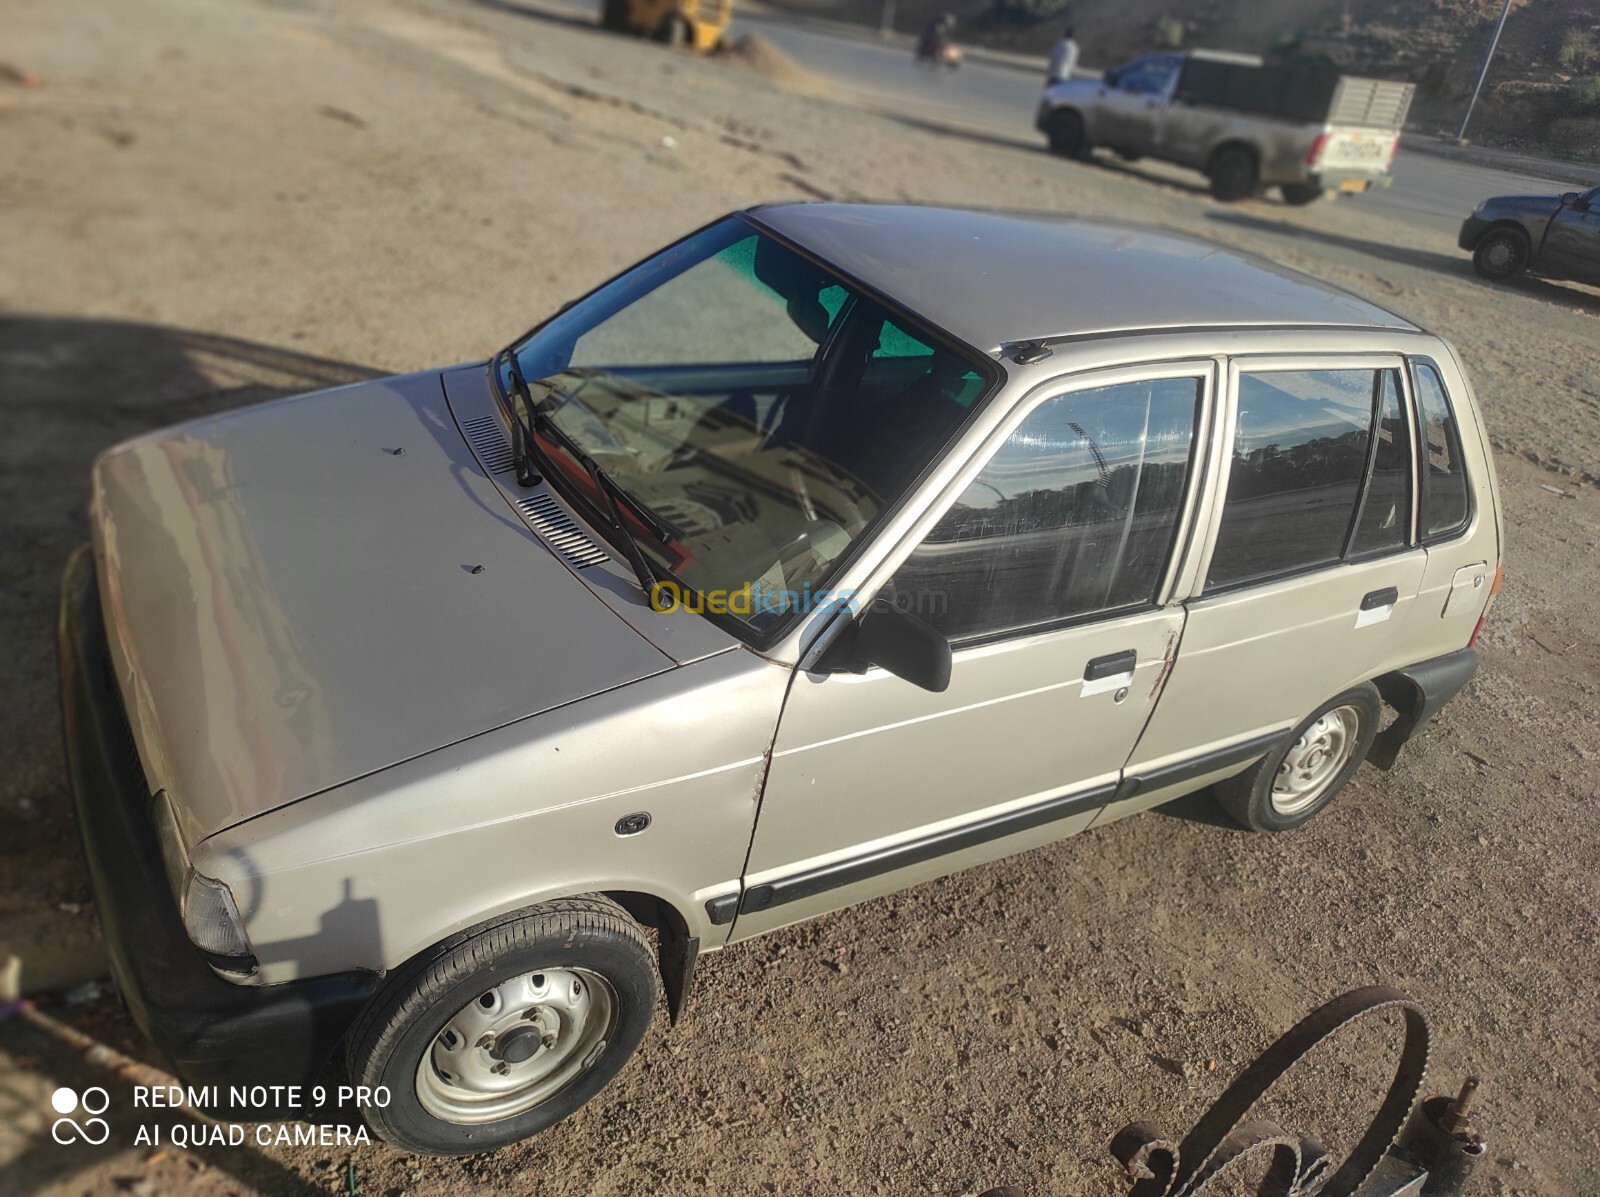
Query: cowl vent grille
{"points": [[489, 443], [557, 527]]}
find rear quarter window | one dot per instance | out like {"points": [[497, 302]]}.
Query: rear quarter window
{"points": [[1445, 504]]}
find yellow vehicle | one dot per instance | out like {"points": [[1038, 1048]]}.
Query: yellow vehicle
{"points": [[690, 24]]}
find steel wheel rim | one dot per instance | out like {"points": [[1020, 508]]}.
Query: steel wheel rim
{"points": [[517, 1045], [1315, 760], [1499, 254]]}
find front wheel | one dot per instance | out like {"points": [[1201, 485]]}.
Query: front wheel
{"points": [[1066, 133], [1500, 254], [1293, 782], [507, 1029]]}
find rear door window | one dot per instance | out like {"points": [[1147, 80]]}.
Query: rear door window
{"points": [[1305, 444]]}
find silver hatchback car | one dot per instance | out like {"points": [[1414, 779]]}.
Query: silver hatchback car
{"points": [[833, 548]]}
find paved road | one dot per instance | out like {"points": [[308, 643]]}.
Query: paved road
{"points": [[1428, 192]]}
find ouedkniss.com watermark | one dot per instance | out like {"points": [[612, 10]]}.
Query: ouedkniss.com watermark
{"points": [[88, 1117]]}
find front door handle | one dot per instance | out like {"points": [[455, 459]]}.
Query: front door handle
{"points": [[1387, 597], [1114, 665]]}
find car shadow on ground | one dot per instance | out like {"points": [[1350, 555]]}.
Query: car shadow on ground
{"points": [[1195, 186], [1198, 807], [569, 20], [942, 129], [1458, 265]]}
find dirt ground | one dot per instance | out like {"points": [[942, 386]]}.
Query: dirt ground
{"points": [[208, 204]]}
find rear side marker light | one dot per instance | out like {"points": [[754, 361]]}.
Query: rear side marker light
{"points": [[1494, 589]]}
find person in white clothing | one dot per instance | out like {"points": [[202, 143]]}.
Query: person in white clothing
{"points": [[1063, 57]]}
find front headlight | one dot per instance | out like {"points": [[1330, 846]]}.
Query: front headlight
{"points": [[210, 915]]}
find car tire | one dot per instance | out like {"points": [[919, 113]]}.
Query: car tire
{"points": [[1233, 174], [1300, 193], [614, 15], [1129, 155], [1501, 254], [504, 1030], [1313, 763], [1067, 136]]}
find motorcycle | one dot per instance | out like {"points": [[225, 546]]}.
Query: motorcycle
{"points": [[937, 49]]}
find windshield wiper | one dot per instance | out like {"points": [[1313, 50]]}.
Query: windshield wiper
{"points": [[525, 445]]}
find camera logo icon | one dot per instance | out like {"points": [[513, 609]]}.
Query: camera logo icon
{"points": [[91, 1102]]}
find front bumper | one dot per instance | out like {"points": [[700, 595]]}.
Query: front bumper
{"points": [[1471, 229], [214, 1032]]}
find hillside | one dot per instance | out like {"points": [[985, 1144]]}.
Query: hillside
{"points": [[1543, 93]]}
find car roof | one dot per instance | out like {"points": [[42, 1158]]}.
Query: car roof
{"points": [[992, 278]]}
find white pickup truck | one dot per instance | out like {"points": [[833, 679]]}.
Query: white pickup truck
{"points": [[1300, 127]]}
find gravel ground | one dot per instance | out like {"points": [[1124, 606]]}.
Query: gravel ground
{"points": [[208, 204]]}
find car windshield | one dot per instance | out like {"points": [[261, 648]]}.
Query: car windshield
{"points": [[762, 411]]}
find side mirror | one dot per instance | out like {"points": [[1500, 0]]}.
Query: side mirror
{"points": [[895, 640], [1109, 78]]}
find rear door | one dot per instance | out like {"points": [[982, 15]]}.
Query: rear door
{"points": [[1048, 571], [1311, 565]]}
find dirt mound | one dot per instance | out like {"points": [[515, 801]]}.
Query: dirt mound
{"points": [[754, 53]]}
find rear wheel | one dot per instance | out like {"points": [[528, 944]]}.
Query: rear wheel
{"points": [[1315, 761], [1233, 174], [1300, 193], [614, 15], [507, 1029], [1501, 254]]}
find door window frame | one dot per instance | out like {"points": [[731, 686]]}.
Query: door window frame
{"points": [[1236, 367], [1205, 370]]}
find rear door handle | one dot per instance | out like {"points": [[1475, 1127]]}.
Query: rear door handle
{"points": [[1114, 665], [1377, 606], [1386, 597]]}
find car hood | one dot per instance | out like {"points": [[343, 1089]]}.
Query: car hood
{"points": [[1078, 88], [1521, 205], [303, 592]]}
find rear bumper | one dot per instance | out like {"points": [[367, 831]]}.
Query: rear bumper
{"points": [[1419, 692], [1348, 181], [214, 1032]]}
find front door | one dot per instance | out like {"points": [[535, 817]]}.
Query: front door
{"points": [[1128, 113], [1572, 243], [1049, 573], [1314, 569]]}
